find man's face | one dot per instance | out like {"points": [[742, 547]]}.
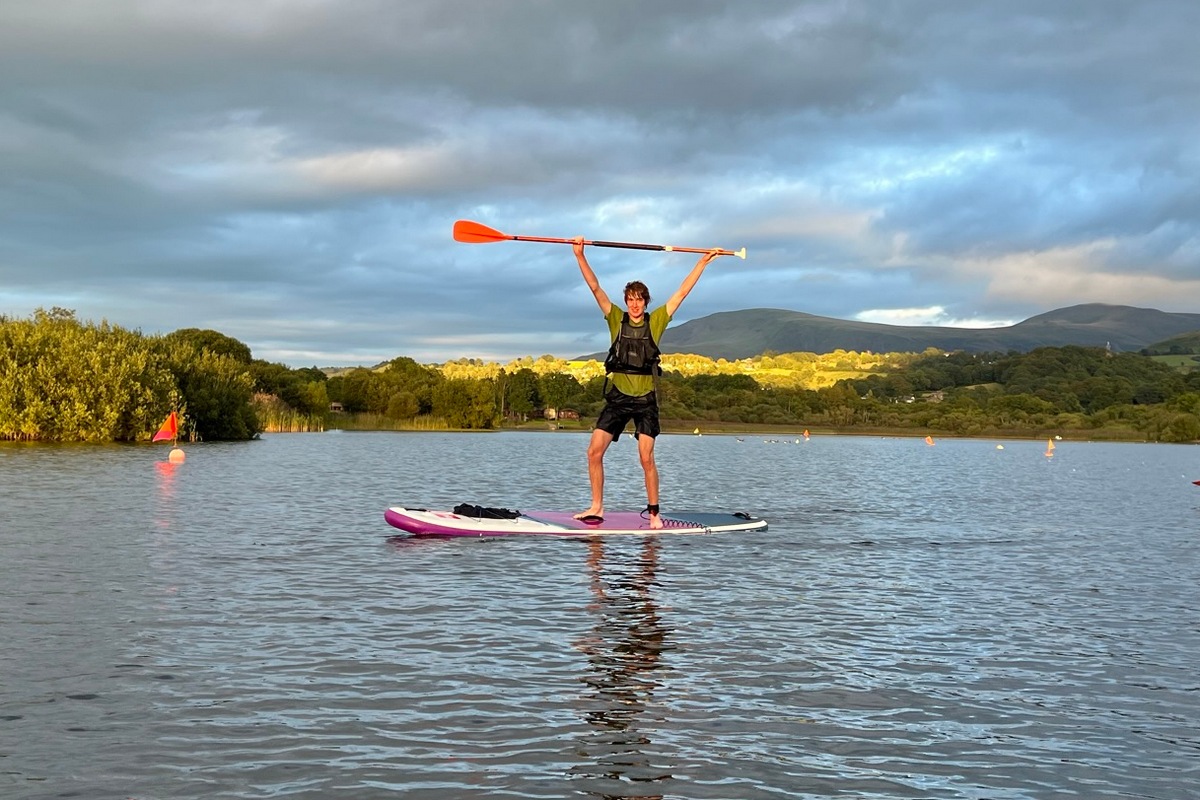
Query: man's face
{"points": [[635, 304]]}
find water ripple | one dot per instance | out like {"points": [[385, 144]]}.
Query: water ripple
{"points": [[917, 623]]}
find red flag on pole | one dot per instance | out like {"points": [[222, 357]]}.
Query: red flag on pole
{"points": [[169, 429]]}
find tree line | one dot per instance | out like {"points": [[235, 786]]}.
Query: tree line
{"points": [[1087, 391], [63, 380], [1072, 388], [66, 380]]}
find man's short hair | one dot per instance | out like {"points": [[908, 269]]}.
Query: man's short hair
{"points": [[638, 289]]}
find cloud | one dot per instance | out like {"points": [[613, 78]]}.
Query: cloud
{"points": [[933, 315], [1084, 274], [288, 173]]}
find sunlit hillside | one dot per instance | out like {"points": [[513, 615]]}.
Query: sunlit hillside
{"points": [[788, 370]]}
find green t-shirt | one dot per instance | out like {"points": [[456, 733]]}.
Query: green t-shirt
{"points": [[636, 385]]}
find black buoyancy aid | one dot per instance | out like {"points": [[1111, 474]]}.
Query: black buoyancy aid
{"points": [[634, 351]]}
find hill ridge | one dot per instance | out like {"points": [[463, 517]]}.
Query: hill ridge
{"points": [[750, 332]]}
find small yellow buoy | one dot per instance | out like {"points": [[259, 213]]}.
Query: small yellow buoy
{"points": [[177, 456]]}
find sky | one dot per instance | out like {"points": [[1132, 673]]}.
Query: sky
{"points": [[288, 173]]}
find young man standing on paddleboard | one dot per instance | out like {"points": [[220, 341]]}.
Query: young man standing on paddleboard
{"points": [[632, 378]]}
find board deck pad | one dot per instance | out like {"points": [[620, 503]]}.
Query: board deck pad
{"points": [[421, 522]]}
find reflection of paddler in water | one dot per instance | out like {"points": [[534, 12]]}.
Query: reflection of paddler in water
{"points": [[624, 649]]}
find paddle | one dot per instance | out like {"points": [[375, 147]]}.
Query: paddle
{"points": [[476, 233]]}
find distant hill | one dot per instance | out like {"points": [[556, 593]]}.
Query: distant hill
{"points": [[743, 334], [1184, 344]]}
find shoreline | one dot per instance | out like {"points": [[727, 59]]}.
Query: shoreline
{"points": [[680, 428]]}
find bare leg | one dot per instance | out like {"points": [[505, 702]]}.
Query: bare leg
{"points": [[597, 447], [646, 453]]}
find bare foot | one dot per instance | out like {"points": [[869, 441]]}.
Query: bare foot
{"points": [[594, 511], [655, 522]]}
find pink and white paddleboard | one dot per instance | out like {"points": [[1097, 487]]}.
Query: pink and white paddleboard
{"points": [[420, 522]]}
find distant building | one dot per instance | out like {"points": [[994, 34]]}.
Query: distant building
{"points": [[336, 408]]}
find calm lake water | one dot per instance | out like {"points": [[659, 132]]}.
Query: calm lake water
{"points": [[954, 621]]}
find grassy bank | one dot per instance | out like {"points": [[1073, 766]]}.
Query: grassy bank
{"points": [[379, 422], [710, 428]]}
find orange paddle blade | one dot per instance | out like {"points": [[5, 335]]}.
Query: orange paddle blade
{"points": [[476, 233]]}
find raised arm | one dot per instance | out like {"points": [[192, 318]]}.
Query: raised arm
{"points": [[690, 281], [590, 277]]}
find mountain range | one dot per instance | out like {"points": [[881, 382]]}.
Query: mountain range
{"points": [[743, 334]]}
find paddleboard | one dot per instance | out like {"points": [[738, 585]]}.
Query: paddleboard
{"points": [[421, 522]]}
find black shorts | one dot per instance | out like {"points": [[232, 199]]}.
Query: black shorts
{"points": [[620, 408]]}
